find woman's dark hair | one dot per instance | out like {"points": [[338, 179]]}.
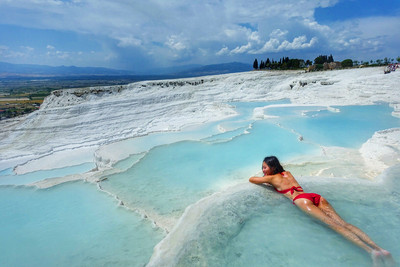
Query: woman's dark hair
{"points": [[274, 164]]}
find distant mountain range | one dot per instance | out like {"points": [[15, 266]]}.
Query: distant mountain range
{"points": [[9, 70], [217, 69], [30, 70]]}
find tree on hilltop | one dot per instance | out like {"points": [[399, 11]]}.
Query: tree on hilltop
{"points": [[321, 59], [386, 61], [347, 63], [255, 64], [267, 63]]}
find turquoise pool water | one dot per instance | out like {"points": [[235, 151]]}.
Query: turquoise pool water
{"points": [[254, 226], [350, 127], [7, 177], [71, 225], [76, 224]]}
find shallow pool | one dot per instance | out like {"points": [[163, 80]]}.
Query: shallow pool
{"points": [[119, 220]]}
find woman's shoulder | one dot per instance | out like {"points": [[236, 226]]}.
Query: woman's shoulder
{"points": [[290, 178], [286, 173]]}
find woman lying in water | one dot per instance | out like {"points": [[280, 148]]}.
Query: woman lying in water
{"points": [[316, 206]]}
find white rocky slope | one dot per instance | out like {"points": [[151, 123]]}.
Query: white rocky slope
{"points": [[80, 120]]}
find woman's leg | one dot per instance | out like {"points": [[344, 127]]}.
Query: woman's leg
{"points": [[308, 207], [330, 212], [378, 253]]}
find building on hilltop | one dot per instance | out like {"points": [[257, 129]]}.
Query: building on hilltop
{"points": [[332, 65]]}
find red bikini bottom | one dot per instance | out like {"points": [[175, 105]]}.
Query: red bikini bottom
{"points": [[315, 198]]}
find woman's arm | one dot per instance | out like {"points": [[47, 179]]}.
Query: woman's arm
{"points": [[261, 180]]}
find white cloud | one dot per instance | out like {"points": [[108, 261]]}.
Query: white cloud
{"points": [[230, 33], [366, 38], [242, 49], [191, 30], [175, 44], [327, 3], [21, 52], [315, 26], [28, 48], [3, 50], [297, 43], [223, 51], [46, 2], [154, 20], [255, 37], [52, 53], [270, 46], [127, 41], [278, 33], [62, 54], [275, 45]]}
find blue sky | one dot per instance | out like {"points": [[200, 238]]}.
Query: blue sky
{"points": [[144, 34]]}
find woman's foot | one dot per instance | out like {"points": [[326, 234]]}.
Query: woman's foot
{"points": [[388, 258], [382, 257], [377, 258]]}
